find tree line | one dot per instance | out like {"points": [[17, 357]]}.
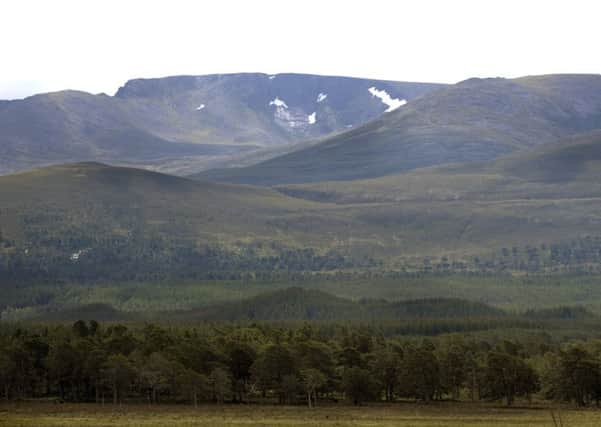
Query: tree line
{"points": [[142, 258], [84, 254], [308, 363]]}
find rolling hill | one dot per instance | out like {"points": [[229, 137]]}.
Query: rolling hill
{"points": [[97, 198], [89, 221], [295, 304], [475, 120], [92, 221], [184, 124], [92, 233], [569, 169], [300, 304]]}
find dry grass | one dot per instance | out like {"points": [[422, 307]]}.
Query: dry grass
{"points": [[51, 415]]}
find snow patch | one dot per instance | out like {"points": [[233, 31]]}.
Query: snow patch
{"points": [[393, 103], [200, 107], [292, 118], [271, 77], [278, 103], [321, 97], [75, 255]]}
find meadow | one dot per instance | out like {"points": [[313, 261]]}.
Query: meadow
{"points": [[402, 414]]}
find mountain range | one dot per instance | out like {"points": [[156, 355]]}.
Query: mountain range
{"points": [[474, 120], [184, 124], [489, 176]]}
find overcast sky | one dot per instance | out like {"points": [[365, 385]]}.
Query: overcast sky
{"points": [[97, 45]]}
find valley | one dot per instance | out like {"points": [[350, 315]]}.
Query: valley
{"points": [[321, 213], [494, 243]]}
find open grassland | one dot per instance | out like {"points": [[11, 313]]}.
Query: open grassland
{"points": [[43, 415]]}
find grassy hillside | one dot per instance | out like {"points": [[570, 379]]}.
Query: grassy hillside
{"points": [[475, 120], [69, 126], [569, 169], [550, 195], [536, 213], [93, 196], [92, 220], [89, 221]]}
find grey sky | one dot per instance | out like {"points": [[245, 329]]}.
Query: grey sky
{"points": [[97, 45]]}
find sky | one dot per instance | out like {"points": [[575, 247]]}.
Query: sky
{"points": [[98, 45]]}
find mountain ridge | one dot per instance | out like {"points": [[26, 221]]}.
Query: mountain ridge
{"points": [[185, 123], [474, 120], [565, 169]]}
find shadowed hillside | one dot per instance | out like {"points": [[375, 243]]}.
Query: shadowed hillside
{"points": [[566, 170], [293, 304], [298, 304], [475, 120]]}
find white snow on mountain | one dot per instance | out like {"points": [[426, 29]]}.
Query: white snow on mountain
{"points": [[321, 97], [200, 107], [291, 118], [271, 77], [393, 103], [278, 103]]}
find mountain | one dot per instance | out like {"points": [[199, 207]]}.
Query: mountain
{"points": [[70, 126], [475, 120], [260, 109], [568, 169], [183, 124]]}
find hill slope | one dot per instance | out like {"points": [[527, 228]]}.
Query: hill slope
{"points": [[569, 169], [71, 126], [302, 304], [91, 220], [478, 119], [117, 199], [184, 123], [94, 222]]}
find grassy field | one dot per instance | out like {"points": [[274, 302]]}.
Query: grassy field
{"points": [[51, 415]]}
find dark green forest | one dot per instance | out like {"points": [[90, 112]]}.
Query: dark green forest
{"points": [[306, 363], [54, 261]]}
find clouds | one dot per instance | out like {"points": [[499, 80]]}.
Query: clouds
{"points": [[96, 46]]}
